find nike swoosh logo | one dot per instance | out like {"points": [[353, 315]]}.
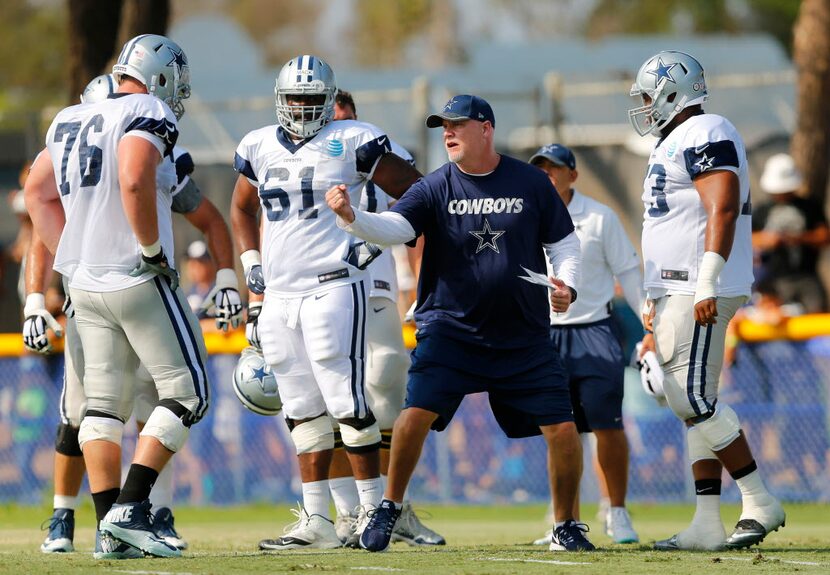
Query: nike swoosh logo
{"points": [[382, 140], [700, 149], [378, 309], [320, 296]]}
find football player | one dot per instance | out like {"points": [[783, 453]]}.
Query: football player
{"points": [[312, 322], [387, 362], [69, 467], [697, 252], [94, 201]]}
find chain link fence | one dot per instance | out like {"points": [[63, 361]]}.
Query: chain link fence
{"points": [[779, 389]]}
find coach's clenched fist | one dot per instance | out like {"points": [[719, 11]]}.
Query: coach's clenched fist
{"points": [[338, 200]]}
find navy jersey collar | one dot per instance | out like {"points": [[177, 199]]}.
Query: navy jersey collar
{"points": [[289, 144]]}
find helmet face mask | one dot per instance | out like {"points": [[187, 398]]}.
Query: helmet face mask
{"points": [[161, 65], [304, 91], [667, 83]]}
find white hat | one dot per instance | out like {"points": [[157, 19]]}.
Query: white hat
{"points": [[780, 175]]}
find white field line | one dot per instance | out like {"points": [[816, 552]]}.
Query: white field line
{"points": [[547, 561]]}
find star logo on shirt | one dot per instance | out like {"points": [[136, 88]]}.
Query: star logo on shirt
{"points": [[487, 237], [704, 163], [662, 71]]}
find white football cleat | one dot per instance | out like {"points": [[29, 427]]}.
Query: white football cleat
{"points": [[344, 525], [545, 540], [308, 532], [411, 531], [756, 523], [618, 526], [359, 525], [695, 537]]}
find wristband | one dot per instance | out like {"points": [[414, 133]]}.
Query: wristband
{"points": [[250, 259], [707, 276], [226, 279], [34, 301], [151, 250]]}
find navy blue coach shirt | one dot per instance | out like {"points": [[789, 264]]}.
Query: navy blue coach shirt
{"points": [[479, 231]]}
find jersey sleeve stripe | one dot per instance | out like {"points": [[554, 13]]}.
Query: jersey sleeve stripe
{"points": [[184, 167], [369, 153], [244, 167], [711, 156], [161, 128]]}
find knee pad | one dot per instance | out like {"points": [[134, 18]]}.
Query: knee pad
{"points": [[101, 427], [168, 427], [721, 429], [66, 441], [360, 435], [698, 449], [312, 436]]}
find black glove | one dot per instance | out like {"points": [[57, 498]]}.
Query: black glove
{"points": [[158, 265]]}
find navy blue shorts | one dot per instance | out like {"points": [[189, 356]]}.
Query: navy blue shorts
{"points": [[526, 387], [595, 366]]}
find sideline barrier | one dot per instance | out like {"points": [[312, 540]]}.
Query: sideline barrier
{"points": [[779, 389]]}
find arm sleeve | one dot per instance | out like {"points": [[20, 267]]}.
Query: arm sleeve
{"points": [[187, 198], [565, 259], [386, 229], [617, 248], [631, 281]]}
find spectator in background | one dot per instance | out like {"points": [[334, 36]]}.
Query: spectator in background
{"points": [[789, 232], [199, 273], [767, 307]]}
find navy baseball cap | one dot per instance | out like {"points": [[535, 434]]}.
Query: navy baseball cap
{"points": [[557, 154], [463, 107]]}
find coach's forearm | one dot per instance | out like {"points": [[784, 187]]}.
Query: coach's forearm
{"points": [[386, 229], [565, 259]]}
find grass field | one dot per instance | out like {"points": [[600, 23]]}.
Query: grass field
{"points": [[482, 540]]}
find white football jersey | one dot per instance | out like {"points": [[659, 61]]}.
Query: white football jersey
{"points": [[303, 250], [98, 248], [674, 225], [384, 275], [606, 252]]}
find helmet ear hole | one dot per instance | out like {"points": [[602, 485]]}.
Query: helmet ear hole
{"points": [[671, 98], [162, 80]]}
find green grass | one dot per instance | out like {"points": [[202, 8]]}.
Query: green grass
{"points": [[482, 540]]}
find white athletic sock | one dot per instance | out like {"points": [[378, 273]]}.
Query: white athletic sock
{"points": [[370, 491], [344, 492], [316, 498], [162, 493], [384, 481], [707, 510], [753, 491], [64, 502]]}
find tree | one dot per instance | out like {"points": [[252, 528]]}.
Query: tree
{"points": [[93, 29], [143, 17], [811, 51]]}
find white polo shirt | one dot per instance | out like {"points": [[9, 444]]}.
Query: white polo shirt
{"points": [[606, 252]]}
